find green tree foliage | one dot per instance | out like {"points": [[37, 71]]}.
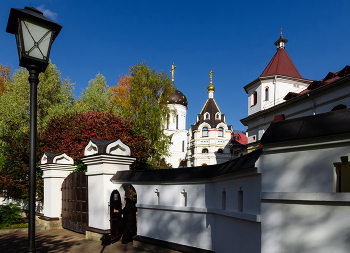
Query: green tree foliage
{"points": [[97, 97], [54, 96], [9, 214], [71, 133], [145, 104]]}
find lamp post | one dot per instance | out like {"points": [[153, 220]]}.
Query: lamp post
{"points": [[34, 35]]}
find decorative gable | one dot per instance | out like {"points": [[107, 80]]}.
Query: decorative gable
{"points": [[112, 147]]}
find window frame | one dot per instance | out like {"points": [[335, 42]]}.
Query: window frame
{"points": [[205, 130]]}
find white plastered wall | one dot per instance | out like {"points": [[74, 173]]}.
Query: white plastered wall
{"points": [[202, 223], [300, 211], [54, 175]]}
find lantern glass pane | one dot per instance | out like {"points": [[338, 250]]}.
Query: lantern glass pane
{"points": [[36, 40]]}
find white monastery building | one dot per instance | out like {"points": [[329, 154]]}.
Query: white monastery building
{"points": [[209, 138], [176, 129], [281, 91], [207, 142]]}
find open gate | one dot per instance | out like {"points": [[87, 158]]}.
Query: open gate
{"points": [[75, 202]]}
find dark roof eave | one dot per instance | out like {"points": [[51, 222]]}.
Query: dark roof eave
{"points": [[245, 162], [307, 127], [244, 121]]}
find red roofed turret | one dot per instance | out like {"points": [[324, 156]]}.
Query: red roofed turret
{"points": [[281, 64]]}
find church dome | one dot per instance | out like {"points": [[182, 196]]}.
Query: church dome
{"points": [[211, 87], [177, 98]]}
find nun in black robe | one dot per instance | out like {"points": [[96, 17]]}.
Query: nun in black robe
{"points": [[129, 220]]}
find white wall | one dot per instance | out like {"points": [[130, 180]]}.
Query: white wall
{"points": [[202, 223], [300, 211]]}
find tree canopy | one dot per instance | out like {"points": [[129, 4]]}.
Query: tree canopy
{"points": [[71, 133], [54, 96], [142, 96], [133, 111], [96, 97]]}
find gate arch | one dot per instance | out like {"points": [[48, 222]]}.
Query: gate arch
{"points": [[75, 215]]}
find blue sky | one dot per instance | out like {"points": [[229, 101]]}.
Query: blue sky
{"points": [[233, 38]]}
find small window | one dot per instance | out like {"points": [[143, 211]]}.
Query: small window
{"points": [[177, 121], [205, 150], [240, 200], [183, 146], [207, 115], [266, 93], [204, 132], [217, 115], [220, 131], [220, 151], [223, 199], [156, 197], [343, 176], [254, 97]]}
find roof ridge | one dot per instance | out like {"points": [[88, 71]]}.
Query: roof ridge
{"points": [[281, 64]]}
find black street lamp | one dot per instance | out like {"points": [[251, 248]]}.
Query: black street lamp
{"points": [[34, 35]]}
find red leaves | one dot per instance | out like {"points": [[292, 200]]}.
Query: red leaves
{"points": [[71, 133]]}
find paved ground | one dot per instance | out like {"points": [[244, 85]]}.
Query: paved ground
{"points": [[61, 240]]}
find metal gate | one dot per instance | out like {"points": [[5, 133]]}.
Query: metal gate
{"points": [[75, 202]]}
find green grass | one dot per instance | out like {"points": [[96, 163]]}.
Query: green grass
{"points": [[19, 225]]}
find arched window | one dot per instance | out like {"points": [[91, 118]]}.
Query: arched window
{"points": [[220, 151], [339, 107], [220, 131], [205, 150], [204, 132], [207, 115], [217, 115], [254, 98], [266, 93]]}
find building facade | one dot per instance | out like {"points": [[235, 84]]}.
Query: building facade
{"points": [[176, 129], [281, 91], [209, 138]]}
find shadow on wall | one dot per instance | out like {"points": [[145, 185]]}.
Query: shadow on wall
{"points": [[302, 226], [306, 228], [187, 228], [309, 170]]}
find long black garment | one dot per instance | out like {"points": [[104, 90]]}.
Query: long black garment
{"points": [[129, 221]]}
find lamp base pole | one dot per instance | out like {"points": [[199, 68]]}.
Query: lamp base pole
{"points": [[33, 81]]}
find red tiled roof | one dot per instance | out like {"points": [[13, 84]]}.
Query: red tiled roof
{"points": [[330, 77], [240, 138], [281, 64]]}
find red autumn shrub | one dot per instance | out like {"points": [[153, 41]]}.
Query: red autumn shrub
{"points": [[71, 133]]}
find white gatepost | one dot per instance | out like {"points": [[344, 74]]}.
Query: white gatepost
{"points": [[56, 167], [104, 158]]}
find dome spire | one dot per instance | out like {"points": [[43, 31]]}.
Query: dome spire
{"points": [[211, 87], [281, 63], [281, 41], [172, 71]]}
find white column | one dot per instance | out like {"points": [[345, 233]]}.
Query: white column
{"points": [[100, 169], [54, 173]]}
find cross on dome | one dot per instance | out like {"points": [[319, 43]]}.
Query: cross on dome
{"points": [[172, 71], [281, 41], [211, 86]]}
